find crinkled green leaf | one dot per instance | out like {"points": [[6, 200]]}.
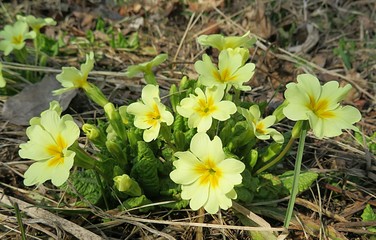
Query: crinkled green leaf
{"points": [[305, 180], [369, 215], [244, 194], [86, 186], [179, 123], [181, 142], [269, 188], [145, 170]]}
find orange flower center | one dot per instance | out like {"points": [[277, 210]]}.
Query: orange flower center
{"points": [[320, 108], [56, 151], [209, 173]]}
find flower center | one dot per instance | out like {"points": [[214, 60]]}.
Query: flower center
{"points": [[56, 151], [17, 39], [205, 107], [320, 108], [154, 116], [209, 173], [260, 127]]}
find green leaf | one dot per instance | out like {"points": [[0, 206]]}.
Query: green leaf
{"points": [[369, 215], [269, 188], [86, 186], [305, 180], [145, 170], [177, 205], [270, 151], [137, 202], [180, 141], [244, 194]]}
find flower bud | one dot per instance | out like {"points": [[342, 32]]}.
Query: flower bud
{"points": [[125, 184]]}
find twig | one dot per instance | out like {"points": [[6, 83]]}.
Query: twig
{"points": [[35, 212]]}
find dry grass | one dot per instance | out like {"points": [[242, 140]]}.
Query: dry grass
{"points": [[294, 37]]}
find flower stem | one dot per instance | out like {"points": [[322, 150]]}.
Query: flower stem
{"points": [[150, 78], [82, 159], [295, 184], [36, 46], [296, 129]]}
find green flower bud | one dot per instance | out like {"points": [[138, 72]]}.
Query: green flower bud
{"points": [[95, 94], [278, 112], [91, 131], [115, 120], [125, 184], [174, 96], [297, 128], [116, 151]]}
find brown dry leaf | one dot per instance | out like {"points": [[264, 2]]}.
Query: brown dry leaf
{"points": [[258, 23], [211, 27], [310, 41], [34, 99], [320, 59], [99, 35], [354, 95], [204, 5]]}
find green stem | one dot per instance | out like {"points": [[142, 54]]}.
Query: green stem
{"points": [[95, 94], [236, 99], [150, 78], [295, 184], [295, 131], [82, 159], [19, 220], [36, 46]]}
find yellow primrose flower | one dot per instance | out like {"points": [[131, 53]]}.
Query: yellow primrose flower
{"points": [[261, 127], [308, 100], [36, 23], [50, 136], [14, 37], [207, 176], [72, 78], [2, 80], [202, 108], [150, 113], [230, 70], [221, 43]]}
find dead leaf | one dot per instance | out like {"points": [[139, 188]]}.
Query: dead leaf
{"points": [[204, 5], [34, 99], [257, 22], [320, 59], [354, 95], [310, 41]]}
